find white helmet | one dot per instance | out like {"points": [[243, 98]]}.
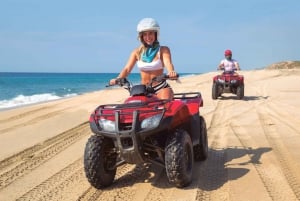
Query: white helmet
{"points": [[148, 24]]}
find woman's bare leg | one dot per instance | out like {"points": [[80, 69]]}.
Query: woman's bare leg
{"points": [[165, 93]]}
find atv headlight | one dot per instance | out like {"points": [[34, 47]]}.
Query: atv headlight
{"points": [[220, 80], [233, 81], [151, 122], [107, 125]]}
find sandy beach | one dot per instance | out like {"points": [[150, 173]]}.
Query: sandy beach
{"points": [[253, 146]]}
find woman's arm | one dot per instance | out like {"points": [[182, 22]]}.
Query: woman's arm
{"points": [[167, 61]]}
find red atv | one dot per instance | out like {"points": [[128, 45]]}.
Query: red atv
{"points": [[228, 82], [145, 129]]}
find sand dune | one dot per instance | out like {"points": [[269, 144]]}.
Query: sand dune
{"points": [[253, 146]]}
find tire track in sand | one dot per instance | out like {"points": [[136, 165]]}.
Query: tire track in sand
{"points": [[119, 190], [288, 168], [67, 183], [122, 189], [288, 165], [24, 162], [33, 121], [213, 175]]}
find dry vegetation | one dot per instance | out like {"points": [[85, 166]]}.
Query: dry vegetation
{"points": [[285, 65]]}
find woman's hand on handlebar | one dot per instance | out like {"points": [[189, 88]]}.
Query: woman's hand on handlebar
{"points": [[173, 75], [113, 81], [118, 81]]}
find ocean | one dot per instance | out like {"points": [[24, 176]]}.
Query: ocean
{"points": [[20, 89]]}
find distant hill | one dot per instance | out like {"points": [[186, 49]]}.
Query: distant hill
{"points": [[285, 65]]}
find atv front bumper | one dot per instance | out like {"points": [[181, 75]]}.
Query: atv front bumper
{"points": [[129, 141]]}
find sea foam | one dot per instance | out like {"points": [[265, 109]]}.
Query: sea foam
{"points": [[22, 100]]}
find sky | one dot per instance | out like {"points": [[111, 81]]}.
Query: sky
{"points": [[96, 36]]}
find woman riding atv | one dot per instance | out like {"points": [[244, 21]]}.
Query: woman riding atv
{"points": [[151, 58]]}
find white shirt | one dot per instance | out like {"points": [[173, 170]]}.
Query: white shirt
{"points": [[229, 65]]}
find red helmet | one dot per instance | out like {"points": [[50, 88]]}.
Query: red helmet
{"points": [[228, 52]]}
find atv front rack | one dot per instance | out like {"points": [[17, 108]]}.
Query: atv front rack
{"points": [[126, 120]]}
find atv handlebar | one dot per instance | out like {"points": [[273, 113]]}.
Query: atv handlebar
{"points": [[119, 81], [223, 69], [124, 82], [163, 77]]}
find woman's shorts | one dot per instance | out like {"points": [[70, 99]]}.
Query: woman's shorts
{"points": [[163, 84]]}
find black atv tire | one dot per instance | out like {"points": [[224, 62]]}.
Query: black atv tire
{"points": [[240, 92], [179, 159], [214, 91], [99, 161], [201, 149]]}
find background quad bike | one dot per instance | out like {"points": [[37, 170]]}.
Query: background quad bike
{"points": [[175, 148], [228, 82]]}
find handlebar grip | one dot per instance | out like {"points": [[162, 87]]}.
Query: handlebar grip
{"points": [[167, 76], [163, 77], [119, 81]]}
